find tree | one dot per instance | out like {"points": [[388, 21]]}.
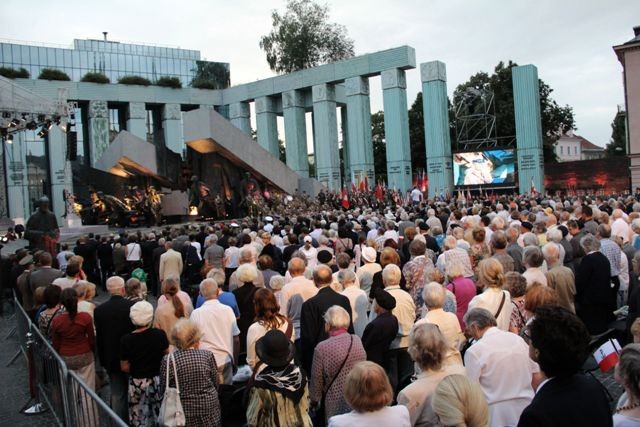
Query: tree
{"points": [[617, 145], [303, 37], [416, 135], [211, 75], [555, 119]]}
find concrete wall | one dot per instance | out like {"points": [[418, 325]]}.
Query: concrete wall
{"points": [[632, 93]]}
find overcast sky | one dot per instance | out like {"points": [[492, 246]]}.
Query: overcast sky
{"points": [[568, 40]]}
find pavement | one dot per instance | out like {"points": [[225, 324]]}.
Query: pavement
{"points": [[14, 393]]}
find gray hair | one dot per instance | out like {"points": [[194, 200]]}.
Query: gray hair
{"points": [[208, 289], [480, 317], [217, 275], [551, 252], [245, 256], [346, 277], [337, 317], [391, 275], [276, 282], [247, 273], [589, 243], [161, 241], [555, 235], [532, 256], [433, 295], [114, 283], [450, 242], [213, 239], [530, 239]]}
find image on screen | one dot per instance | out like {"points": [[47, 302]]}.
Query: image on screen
{"points": [[489, 167]]}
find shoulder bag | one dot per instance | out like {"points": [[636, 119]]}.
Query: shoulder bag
{"points": [[501, 304], [320, 419], [171, 413]]}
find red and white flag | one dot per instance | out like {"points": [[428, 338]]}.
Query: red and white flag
{"points": [[345, 198], [533, 187], [607, 355]]}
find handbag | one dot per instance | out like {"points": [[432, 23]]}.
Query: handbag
{"points": [[319, 417], [171, 413]]}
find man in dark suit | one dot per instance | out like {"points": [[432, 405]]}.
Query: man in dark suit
{"points": [[312, 329], [43, 275], [88, 251], [593, 287], [381, 331], [147, 247], [112, 323], [559, 344]]}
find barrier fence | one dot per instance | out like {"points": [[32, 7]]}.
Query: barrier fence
{"points": [[55, 387]]}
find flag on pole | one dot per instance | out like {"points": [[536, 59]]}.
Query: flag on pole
{"points": [[469, 195], [379, 192], [607, 355], [353, 182], [360, 182], [366, 183], [345, 198]]}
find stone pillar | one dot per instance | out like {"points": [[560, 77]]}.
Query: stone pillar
{"points": [[359, 128], [98, 130], [295, 132], [137, 119], [325, 126], [266, 122], [436, 126], [526, 102], [344, 117], [15, 163], [239, 116], [396, 129], [172, 127], [60, 170]]}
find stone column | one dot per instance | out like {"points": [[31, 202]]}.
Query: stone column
{"points": [[295, 132], [239, 116], [396, 129], [526, 101], [172, 127], [359, 128], [436, 126], [266, 122], [15, 163], [137, 119], [344, 117], [60, 170], [325, 126], [98, 130]]}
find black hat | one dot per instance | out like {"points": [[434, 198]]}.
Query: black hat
{"points": [[275, 349], [527, 225], [324, 256], [423, 226], [564, 230], [385, 300]]}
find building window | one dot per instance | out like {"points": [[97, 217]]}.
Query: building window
{"points": [[561, 150], [575, 150]]}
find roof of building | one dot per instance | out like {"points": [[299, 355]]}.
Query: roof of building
{"points": [[585, 144], [631, 44]]}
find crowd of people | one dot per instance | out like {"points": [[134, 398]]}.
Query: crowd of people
{"points": [[446, 312]]}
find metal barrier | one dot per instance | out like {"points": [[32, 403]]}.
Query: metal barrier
{"points": [[71, 401], [23, 325]]}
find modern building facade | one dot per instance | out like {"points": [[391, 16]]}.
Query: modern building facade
{"points": [[571, 147], [629, 56]]}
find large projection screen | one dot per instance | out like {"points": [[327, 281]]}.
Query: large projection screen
{"points": [[486, 168]]}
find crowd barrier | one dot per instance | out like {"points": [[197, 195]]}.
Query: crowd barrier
{"points": [[55, 387]]}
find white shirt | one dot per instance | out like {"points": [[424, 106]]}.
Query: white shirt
{"points": [[231, 254], [624, 272], [396, 416], [218, 325], [490, 299], [359, 301], [500, 362], [416, 195], [391, 234], [311, 255], [133, 252], [535, 274], [619, 227]]}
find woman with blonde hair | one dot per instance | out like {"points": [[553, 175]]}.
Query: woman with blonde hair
{"points": [[168, 314], [368, 392], [496, 300], [459, 401], [428, 348]]}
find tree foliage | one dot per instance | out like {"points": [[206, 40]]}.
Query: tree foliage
{"points": [[379, 145], [95, 77], [555, 119], [617, 145], [303, 37], [211, 75], [134, 80], [167, 81]]}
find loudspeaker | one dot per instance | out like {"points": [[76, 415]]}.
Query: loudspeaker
{"points": [[72, 145]]}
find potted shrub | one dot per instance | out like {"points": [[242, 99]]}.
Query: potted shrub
{"points": [[95, 77], [134, 80], [12, 73], [172, 82], [204, 84], [53, 74]]}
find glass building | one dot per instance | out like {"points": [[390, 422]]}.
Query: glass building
{"points": [[115, 60]]}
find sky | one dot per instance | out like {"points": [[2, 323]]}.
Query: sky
{"points": [[568, 40]]}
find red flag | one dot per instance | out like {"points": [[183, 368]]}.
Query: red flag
{"points": [[366, 183], [345, 198], [379, 192], [607, 355]]}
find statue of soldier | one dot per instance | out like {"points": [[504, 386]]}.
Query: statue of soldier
{"points": [[42, 228]]}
